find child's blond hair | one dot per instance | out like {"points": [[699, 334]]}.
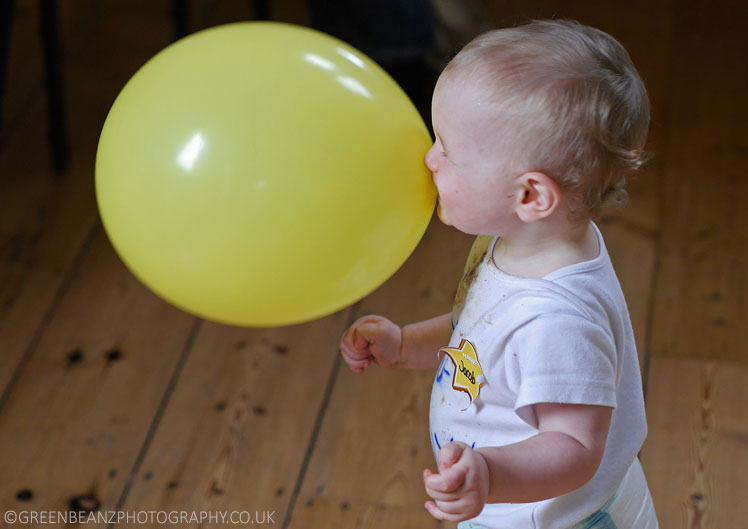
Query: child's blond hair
{"points": [[574, 101]]}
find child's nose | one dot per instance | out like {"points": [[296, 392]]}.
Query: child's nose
{"points": [[431, 159]]}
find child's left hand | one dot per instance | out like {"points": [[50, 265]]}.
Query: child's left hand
{"points": [[460, 489]]}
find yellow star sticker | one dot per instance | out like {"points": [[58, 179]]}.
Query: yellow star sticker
{"points": [[468, 374]]}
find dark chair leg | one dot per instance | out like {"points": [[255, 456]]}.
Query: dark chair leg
{"points": [[261, 9], [54, 80], [180, 15], [7, 8]]}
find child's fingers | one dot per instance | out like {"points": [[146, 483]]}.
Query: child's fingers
{"points": [[347, 339], [436, 494], [357, 364], [355, 356], [349, 351], [448, 480], [450, 454], [360, 341], [350, 334], [439, 514], [366, 330], [357, 369], [442, 496]]}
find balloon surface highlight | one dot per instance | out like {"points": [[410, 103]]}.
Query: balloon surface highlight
{"points": [[263, 174]]}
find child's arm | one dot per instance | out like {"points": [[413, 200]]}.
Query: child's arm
{"points": [[562, 457], [377, 339], [422, 341]]}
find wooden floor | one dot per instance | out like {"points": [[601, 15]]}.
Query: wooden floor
{"points": [[112, 399]]}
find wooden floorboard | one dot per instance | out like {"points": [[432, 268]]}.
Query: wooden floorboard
{"points": [[701, 296], [83, 405], [699, 301], [696, 455], [339, 513], [234, 435]]}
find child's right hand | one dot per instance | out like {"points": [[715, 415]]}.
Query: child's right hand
{"points": [[372, 339]]}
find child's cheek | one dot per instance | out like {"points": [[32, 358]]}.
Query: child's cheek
{"points": [[452, 197]]}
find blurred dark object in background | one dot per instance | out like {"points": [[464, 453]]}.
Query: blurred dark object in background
{"points": [[457, 22], [53, 74], [6, 17], [388, 31], [180, 12]]}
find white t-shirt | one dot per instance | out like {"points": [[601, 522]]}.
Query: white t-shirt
{"points": [[564, 338]]}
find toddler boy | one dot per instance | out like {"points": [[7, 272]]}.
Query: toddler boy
{"points": [[537, 411]]}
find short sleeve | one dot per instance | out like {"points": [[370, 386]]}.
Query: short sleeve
{"points": [[560, 358]]}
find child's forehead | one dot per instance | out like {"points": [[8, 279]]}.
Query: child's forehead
{"points": [[467, 90], [451, 86], [459, 98]]}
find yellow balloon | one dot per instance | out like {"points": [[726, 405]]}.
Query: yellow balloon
{"points": [[263, 174]]}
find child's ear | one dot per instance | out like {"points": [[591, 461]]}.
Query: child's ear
{"points": [[539, 197]]}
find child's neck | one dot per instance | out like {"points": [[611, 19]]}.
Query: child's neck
{"points": [[536, 250]]}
